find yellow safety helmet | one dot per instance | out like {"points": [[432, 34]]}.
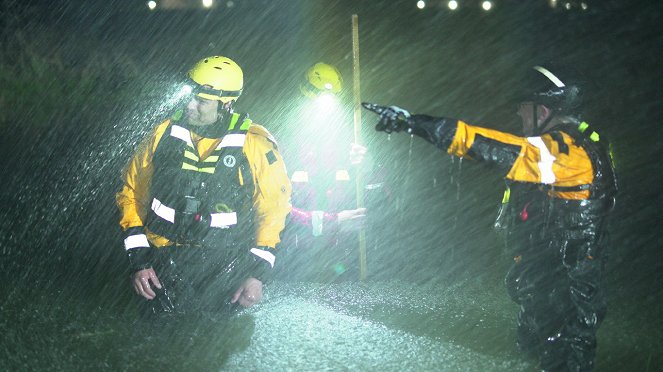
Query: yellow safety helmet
{"points": [[321, 78], [217, 78]]}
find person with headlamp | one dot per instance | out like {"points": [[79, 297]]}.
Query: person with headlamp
{"points": [[323, 163], [204, 200]]}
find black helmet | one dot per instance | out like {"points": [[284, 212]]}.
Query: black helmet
{"points": [[559, 88]]}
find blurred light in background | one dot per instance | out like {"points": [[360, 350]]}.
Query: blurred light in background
{"points": [[487, 5], [452, 4], [325, 103], [421, 4], [570, 4], [152, 5], [208, 3]]}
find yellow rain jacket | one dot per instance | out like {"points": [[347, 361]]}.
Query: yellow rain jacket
{"points": [[554, 161], [272, 189]]}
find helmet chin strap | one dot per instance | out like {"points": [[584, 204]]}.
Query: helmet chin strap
{"points": [[538, 128]]}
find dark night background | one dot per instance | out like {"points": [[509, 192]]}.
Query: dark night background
{"points": [[82, 81]]}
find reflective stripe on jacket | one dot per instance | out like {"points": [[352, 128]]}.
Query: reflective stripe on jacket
{"points": [[552, 159], [271, 193]]}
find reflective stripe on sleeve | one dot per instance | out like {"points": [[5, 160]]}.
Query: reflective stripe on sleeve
{"points": [[181, 133], [136, 241], [223, 219], [232, 140], [163, 211], [546, 160], [267, 256]]}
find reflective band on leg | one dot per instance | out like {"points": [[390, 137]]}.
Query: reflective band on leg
{"points": [[546, 160], [163, 211], [136, 241], [223, 220], [232, 140], [267, 256]]}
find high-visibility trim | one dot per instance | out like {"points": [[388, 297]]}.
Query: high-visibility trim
{"points": [[181, 133], [300, 177], [233, 121], [506, 196], [232, 140], [550, 76], [246, 124], [209, 170], [163, 211], [189, 155], [342, 175], [265, 255], [177, 115], [592, 136], [189, 167], [223, 220], [546, 160], [136, 241], [211, 159]]}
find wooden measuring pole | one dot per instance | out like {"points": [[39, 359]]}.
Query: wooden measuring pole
{"points": [[359, 179]]}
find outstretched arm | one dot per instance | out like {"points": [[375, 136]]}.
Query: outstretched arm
{"points": [[551, 159]]}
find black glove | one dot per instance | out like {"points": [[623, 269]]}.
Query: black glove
{"points": [[439, 131], [392, 118], [140, 259]]}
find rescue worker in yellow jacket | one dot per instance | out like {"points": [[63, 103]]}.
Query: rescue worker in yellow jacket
{"points": [[204, 200], [560, 187]]}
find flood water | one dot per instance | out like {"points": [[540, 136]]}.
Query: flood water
{"points": [[369, 326]]}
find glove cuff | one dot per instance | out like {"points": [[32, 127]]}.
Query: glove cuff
{"points": [[138, 248], [262, 267], [438, 131]]}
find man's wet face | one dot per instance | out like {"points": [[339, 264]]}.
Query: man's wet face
{"points": [[201, 111]]}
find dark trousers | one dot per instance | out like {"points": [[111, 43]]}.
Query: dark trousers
{"points": [[562, 303], [194, 279]]}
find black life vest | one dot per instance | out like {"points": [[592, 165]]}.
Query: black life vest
{"points": [[537, 216], [207, 202]]}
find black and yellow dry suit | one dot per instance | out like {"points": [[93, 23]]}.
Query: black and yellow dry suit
{"points": [[560, 187], [217, 205]]}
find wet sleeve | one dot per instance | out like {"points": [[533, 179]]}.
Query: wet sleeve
{"points": [[272, 192], [132, 198], [551, 159]]}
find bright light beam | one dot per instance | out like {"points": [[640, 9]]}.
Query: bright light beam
{"points": [[453, 4], [487, 5]]}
